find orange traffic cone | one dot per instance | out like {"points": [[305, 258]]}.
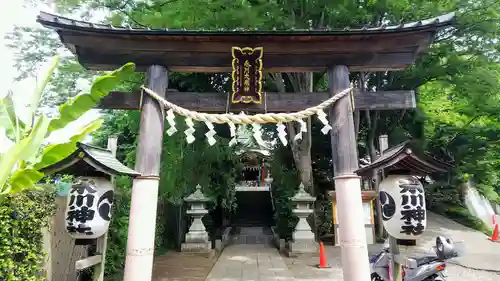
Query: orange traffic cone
{"points": [[494, 235], [322, 257]]}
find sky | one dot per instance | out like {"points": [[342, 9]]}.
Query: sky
{"points": [[14, 13]]}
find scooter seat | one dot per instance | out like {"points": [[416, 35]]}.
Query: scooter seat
{"points": [[425, 260]]}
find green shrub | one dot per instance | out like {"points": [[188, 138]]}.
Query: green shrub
{"points": [[22, 218]]}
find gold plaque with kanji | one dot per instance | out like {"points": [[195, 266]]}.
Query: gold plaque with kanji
{"points": [[247, 75]]}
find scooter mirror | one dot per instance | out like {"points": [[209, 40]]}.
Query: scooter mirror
{"points": [[444, 248]]}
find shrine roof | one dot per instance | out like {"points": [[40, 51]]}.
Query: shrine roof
{"points": [[402, 157], [385, 47], [90, 160]]}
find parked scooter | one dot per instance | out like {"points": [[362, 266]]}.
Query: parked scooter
{"points": [[427, 268]]}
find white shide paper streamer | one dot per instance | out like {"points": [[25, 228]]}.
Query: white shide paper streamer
{"points": [[326, 126], [171, 121], [232, 130], [281, 128], [210, 134], [190, 130]]}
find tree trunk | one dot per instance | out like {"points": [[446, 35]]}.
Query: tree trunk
{"points": [[372, 118], [301, 149]]}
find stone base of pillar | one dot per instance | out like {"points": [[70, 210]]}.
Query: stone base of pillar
{"points": [[197, 237], [303, 240], [304, 247], [196, 247]]}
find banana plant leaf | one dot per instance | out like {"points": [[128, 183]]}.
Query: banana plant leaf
{"points": [[39, 132], [57, 152], [37, 95], [8, 119], [23, 179], [16, 152], [102, 86]]}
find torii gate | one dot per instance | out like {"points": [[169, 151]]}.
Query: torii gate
{"points": [[158, 51]]}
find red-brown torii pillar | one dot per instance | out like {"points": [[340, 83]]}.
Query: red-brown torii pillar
{"points": [[352, 237], [142, 219]]}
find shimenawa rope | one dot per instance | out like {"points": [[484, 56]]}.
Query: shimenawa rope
{"points": [[247, 119]]}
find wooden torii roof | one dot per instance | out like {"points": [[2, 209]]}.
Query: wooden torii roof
{"points": [[106, 47]]}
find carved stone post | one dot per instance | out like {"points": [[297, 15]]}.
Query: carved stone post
{"points": [[303, 237], [350, 213], [197, 236]]}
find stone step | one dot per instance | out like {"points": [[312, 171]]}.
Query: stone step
{"points": [[251, 235], [251, 239]]}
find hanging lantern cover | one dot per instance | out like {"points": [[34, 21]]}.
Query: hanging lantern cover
{"points": [[402, 200], [88, 207]]}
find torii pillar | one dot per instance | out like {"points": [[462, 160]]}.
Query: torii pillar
{"points": [[142, 220], [354, 250]]}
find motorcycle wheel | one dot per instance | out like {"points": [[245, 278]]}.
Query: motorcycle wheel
{"points": [[375, 277]]}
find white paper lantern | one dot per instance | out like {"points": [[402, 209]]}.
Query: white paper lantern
{"points": [[403, 206], [88, 207]]}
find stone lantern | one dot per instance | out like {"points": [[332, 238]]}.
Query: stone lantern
{"points": [[303, 237], [197, 236]]}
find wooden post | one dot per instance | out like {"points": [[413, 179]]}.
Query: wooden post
{"points": [[102, 242], [393, 246], [142, 221], [383, 144], [352, 237]]}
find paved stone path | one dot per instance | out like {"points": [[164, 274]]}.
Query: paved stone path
{"points": [[250, 263]]}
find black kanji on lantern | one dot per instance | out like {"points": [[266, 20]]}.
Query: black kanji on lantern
{"points": [[81, 187], [82, 214], [412, 200], [80, 228], [413, 211], [80, 205], [417, 215], [410, 229], [413, 188], [81, 200]]}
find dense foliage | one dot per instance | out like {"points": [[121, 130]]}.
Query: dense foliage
{"points": [[23, 219]]}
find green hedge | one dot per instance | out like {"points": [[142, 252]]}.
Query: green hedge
{"points": [[22, 218]]}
